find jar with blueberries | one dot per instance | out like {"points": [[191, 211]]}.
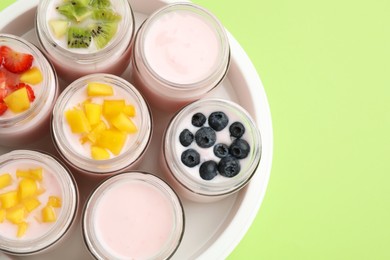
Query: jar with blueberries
{"points": [[211, 149]]}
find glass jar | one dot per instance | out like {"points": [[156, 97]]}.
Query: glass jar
{"points": [[54, 180], [211, 149], [72, 63], [133, 215], [31, 124], [76, 148], [181, 52]]}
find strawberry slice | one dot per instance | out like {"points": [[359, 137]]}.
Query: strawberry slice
{"points": [[3, 108], [30, 91], [3, 93], [15, 62]]}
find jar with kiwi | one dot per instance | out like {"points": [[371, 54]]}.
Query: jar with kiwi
{"points": [[81, 37]]}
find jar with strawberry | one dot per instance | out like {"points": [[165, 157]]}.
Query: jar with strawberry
{"points": [[28, 90]]}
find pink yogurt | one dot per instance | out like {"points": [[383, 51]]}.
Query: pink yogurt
{"points": [[139, 217]]}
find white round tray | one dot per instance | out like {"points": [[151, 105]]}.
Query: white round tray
{"points": [[212, 230]]}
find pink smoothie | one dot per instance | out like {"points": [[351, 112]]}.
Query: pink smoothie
{"points": [[133, 220]]}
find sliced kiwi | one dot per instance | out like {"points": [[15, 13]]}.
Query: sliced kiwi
{"points": [[74, 11], [79, 37], [105, 15], [102, 33], [100, 3]]}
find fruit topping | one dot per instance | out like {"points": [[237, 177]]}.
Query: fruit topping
{"points": [[99, 89], [237, 129], [20, 203], [59, 27], [190, 158], [186, 137], [79, 37], [14, 61], [218, 120], [100, 3], [198, 119], [18, 101], [3, 107], [32, 76], [205, 137], [221, 150], [102, 33], [229, 166], [239, 148], [208, 170]]}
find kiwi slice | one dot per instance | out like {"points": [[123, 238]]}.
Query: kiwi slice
{"points": [[102, 33], [79, 37], [100, 3], [75, 11], [105, 15]]}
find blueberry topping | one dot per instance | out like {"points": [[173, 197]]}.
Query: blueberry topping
{"points": [[198, 119], [218, 120], [239, 148], [186, 137], [237, 129], [229, 166], [221, 150], [190, 158], [205, 137], [208, 170]]}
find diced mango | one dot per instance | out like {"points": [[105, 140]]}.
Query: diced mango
{"points": [[112, 140], [95, 133], [2, 215], [35, 174], [93, 112], [112, 108], [31, 203], [54, 201], [18, 100], [77, 121], [5, 180], [129, 110], [48, 214], [16, 215], [32, 76], [99, 89], [124, 123], [99, 153], [27, 188], [22, 228], [9, 199]]}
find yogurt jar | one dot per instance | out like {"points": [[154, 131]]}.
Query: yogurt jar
{"points": [[181, 52], [82, 37], [211, 149], [39, 202], [28, 91], [133, 215], [100, 132]]}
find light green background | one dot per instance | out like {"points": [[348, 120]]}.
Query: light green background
{"points": [[325, 66]]}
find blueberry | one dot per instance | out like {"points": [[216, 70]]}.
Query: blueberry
{"points": [[186, 137], [198, 119], [239, 148], [208, 170], [221, 150], [218, 120], [229, 166], [237, 129], [190, 158], [205, 137]]}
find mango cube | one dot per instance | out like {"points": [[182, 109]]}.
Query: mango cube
{"points": [[99, 89], [112, 108], [95, 133], [31, 203], [2, 215], [5, 180], [54, 201], [99, 153], [36, 174], [22, 228], [124, 123], [48, 214], [18, 100], [93, 112], [77, 121], [129, 110], [112, 140], [32, 76], [27, 188], [16, 215], [9, 199]]}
